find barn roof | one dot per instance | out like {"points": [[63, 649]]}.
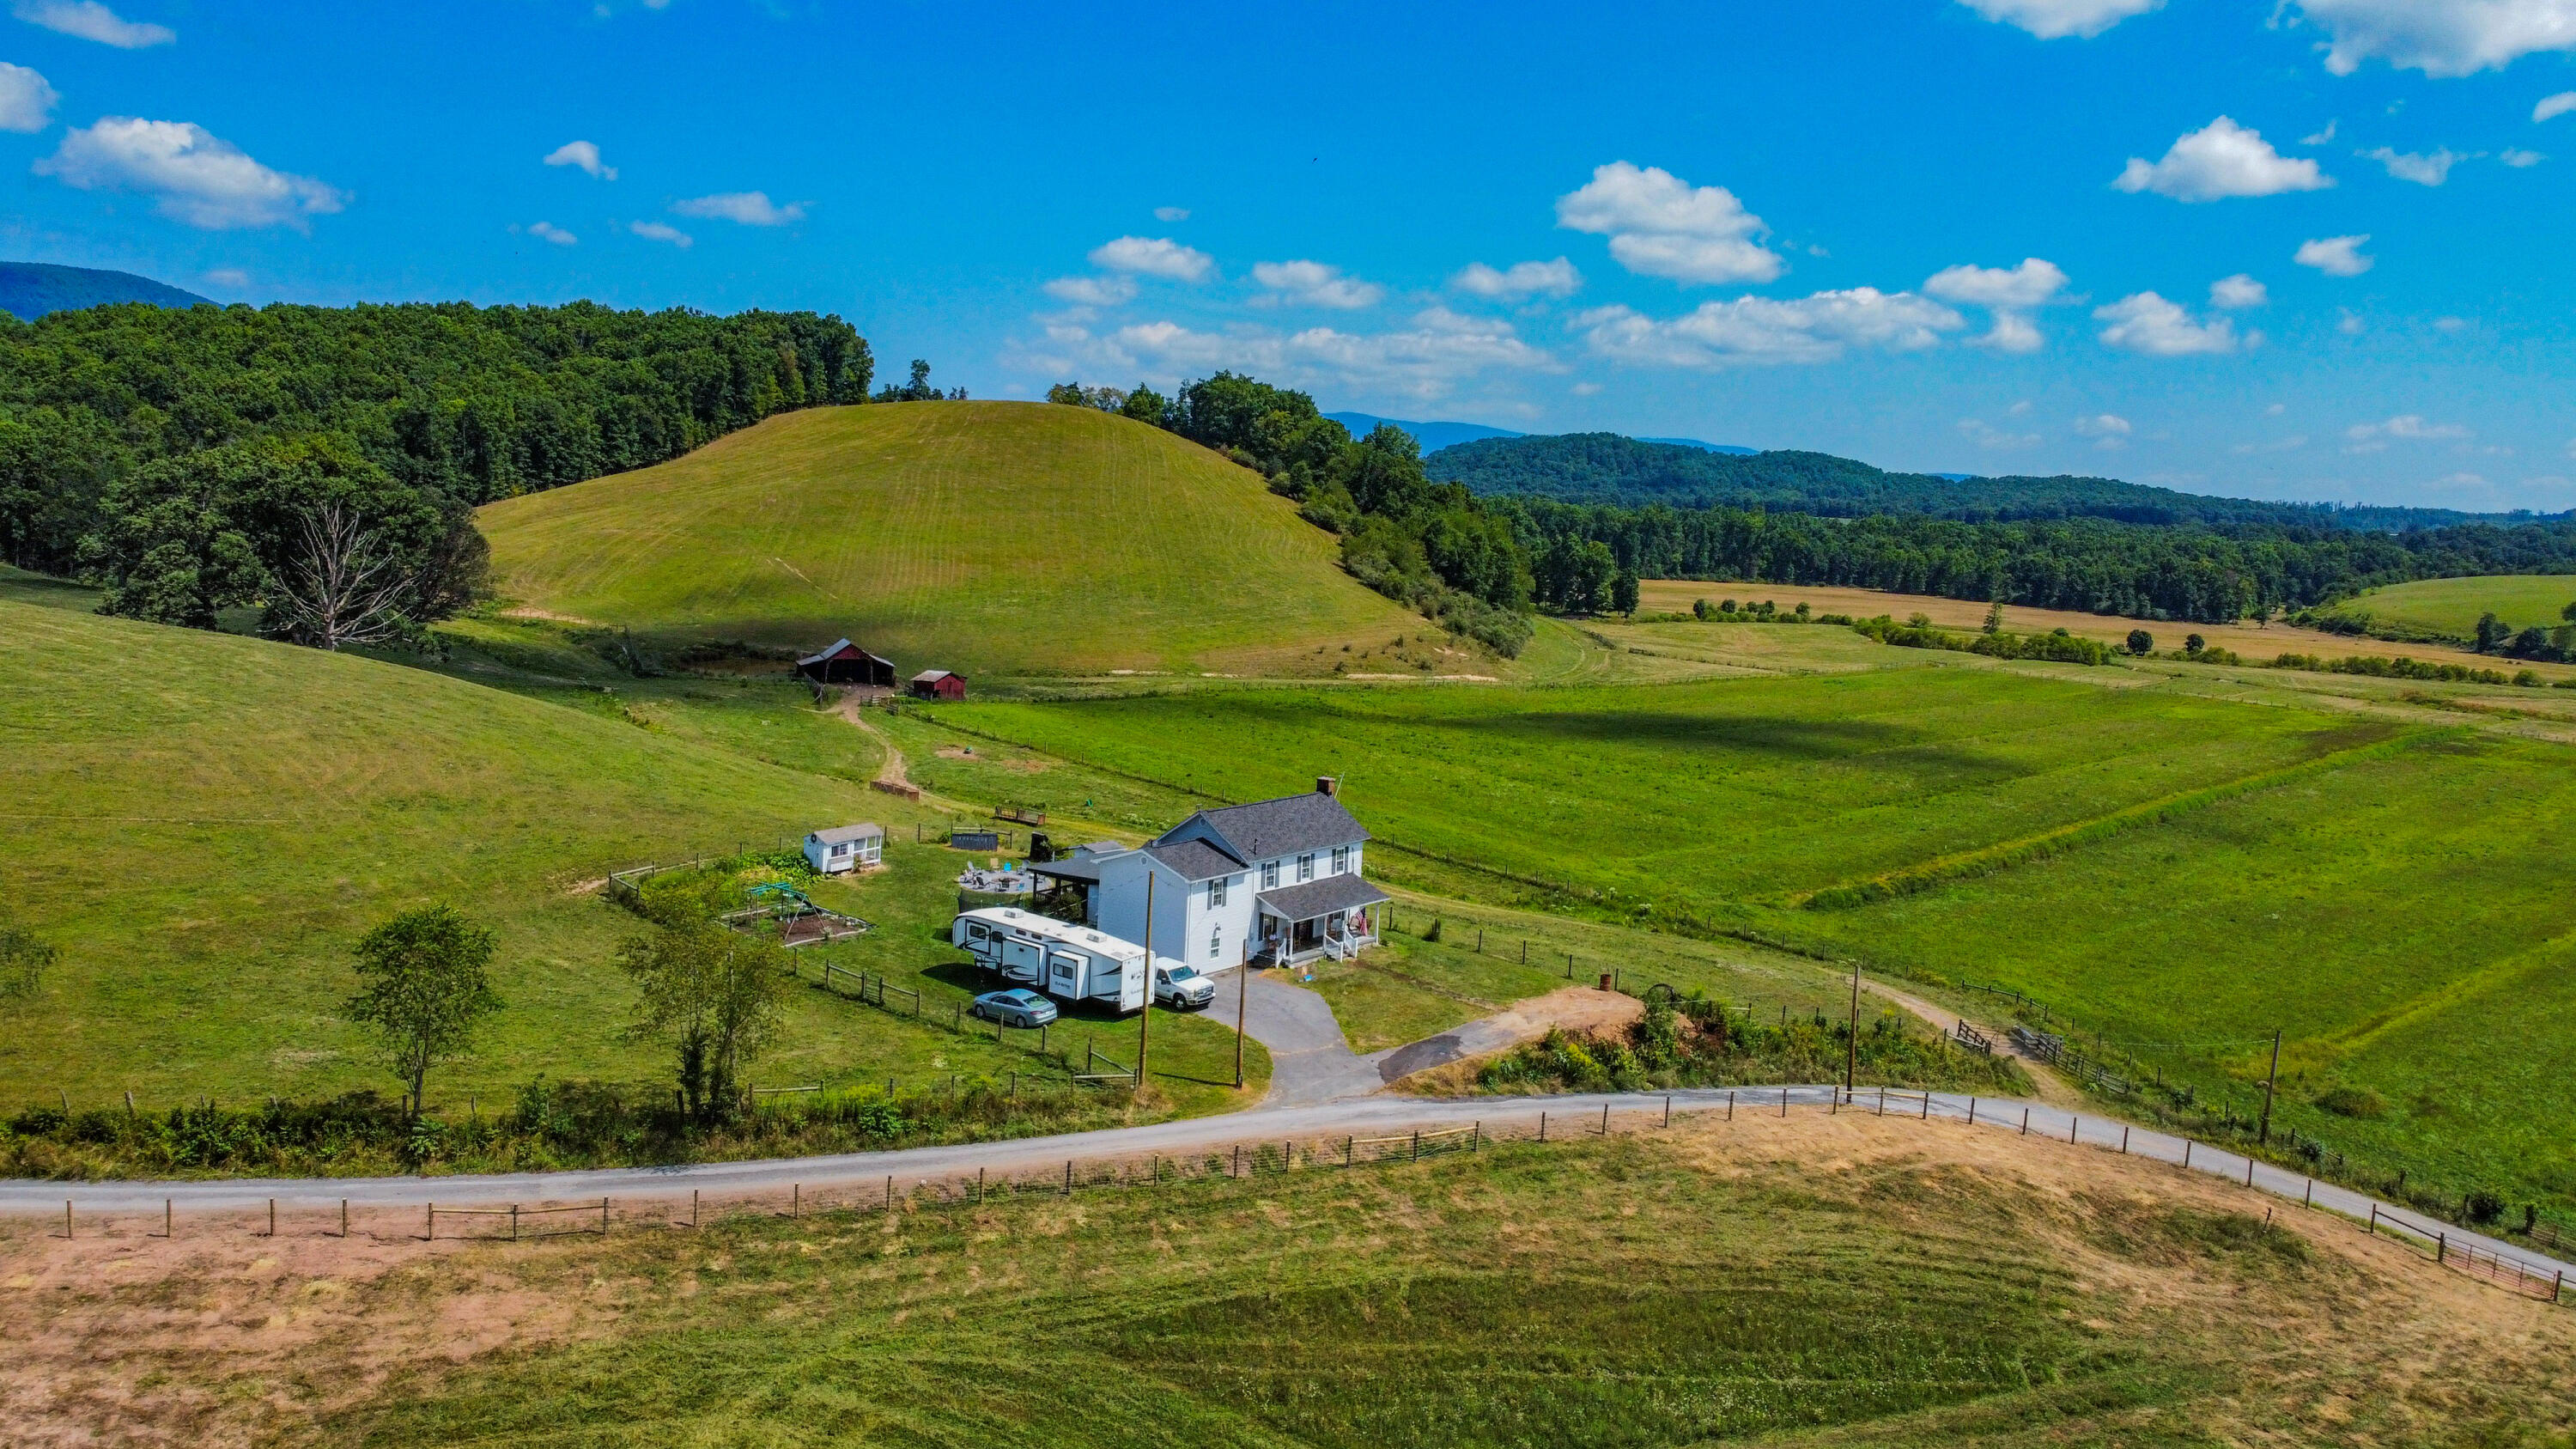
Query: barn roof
{"points": [[836, 649], [933, 676], [845, 834], [1286, 826]]}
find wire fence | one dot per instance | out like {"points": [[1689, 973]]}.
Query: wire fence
{"points": [[1294, 1154]]}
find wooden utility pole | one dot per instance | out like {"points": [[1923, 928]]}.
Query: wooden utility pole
{"points": [[1145, 1017], [1851, 1047], [2269, 1079]]}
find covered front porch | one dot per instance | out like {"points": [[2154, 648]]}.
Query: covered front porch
{"points": [[1334, 917]]}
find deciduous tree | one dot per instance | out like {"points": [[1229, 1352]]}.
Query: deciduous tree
{"points": [[426, 990]]}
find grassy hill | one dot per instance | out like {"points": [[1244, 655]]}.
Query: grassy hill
{"points": [[2449, 608], [983, 537], [203, 823]]}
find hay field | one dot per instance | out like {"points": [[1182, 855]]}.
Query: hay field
{"points": [[975, 536], [2255, 643]]}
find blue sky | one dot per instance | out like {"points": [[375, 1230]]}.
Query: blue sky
{"points": [[2313, 249]]}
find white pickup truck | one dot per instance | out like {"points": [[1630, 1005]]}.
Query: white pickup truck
{"points": [[1180, 986]]}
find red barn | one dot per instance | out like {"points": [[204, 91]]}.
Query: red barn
{"points": [[938, 684], [847, 663]]}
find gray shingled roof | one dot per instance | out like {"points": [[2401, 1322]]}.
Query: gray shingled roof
{"points": [[843, 834], [1332, 894], [1195, 859], [1286, 826]]}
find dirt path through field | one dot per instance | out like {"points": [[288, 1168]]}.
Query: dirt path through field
{"points": [[2052, 1088], [894, 770]]}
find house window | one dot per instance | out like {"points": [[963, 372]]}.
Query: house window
{"points": [[1216, 940], [1216, 893], [1269, 874], [1341, 860], [1305, 867]]}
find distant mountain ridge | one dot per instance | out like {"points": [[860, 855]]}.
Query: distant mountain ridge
{"points": [[29, 290], [1435, 436], [1612, 469]]}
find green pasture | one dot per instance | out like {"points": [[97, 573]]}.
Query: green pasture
{"points": [[1610, 1294], [203, 823], [982, 537], [2449, 608], [2403, 921], [1693, 796]]}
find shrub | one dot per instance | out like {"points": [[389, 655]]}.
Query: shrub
{"points": [[2358, 1102], [2482, 1208], [1434, 933]]}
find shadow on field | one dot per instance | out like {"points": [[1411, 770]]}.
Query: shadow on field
{"points": [[1803, 739]]}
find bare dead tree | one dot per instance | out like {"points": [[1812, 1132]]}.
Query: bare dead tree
{"points": [[345, 589]]}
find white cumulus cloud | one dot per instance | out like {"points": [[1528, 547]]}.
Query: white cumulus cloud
{"points": [[1521, 279], [1662, 226], [1153, 257], [583, 154], [2009, 292], [1426, 359], [2148, 324], [89, 20], [662, 232], [1092, 291], [1762, 330], [548, 231], [750, 208], [1987, 435], [1171, 213], [26, 100], [2405, 427], [1314, 285], [193, 175], [2336, 256], [2109, 431], [2219, 160], [2030, 284], [2557, 105], [2054, 19], [2439, 37], [2423, 170], [2236, 293], [2518, 158]]}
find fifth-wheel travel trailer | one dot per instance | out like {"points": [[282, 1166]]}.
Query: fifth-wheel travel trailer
{"points": [[1067, 962]]}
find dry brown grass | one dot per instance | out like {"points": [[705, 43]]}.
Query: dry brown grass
{"points": [[224, 1337], [2262, 644]]}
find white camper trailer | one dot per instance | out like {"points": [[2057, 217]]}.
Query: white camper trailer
{"points": [[1067, 962]]}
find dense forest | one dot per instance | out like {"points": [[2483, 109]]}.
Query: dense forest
{"points": [[1608, 468], [198, 459], [2147, 571], [1478, 560]]}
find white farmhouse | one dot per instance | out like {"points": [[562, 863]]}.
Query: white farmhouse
{"points": [[1273, 883]]}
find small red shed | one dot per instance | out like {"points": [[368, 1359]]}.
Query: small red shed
{"points": [[938, 684]]}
